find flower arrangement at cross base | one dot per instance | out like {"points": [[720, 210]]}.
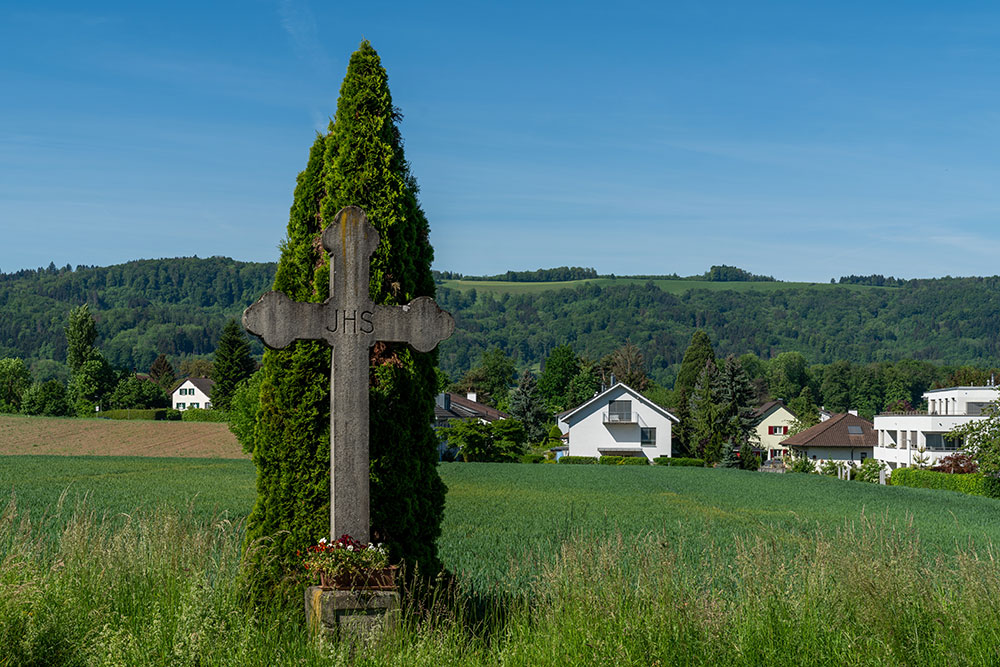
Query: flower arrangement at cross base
{"points": [[347, 564]]}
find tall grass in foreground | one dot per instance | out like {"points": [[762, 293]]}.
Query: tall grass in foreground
{"points": [[163, 588]]}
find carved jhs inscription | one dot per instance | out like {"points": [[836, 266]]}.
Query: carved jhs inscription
{"points": [[346, 321], [349, 323]]}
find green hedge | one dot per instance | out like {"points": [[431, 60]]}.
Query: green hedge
{"points": [[678, 461], [974, 484], [532, 458], [578, 459], [202, 415], [623, 460], [155, 414]]}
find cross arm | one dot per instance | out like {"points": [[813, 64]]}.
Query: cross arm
{"points": [[421, 323], [279, 321]]}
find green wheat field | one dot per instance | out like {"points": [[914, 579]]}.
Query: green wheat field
{"points": [[107, 560]]}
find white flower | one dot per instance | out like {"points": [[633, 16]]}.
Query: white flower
{"points": [[322, 540], [350, 547]]}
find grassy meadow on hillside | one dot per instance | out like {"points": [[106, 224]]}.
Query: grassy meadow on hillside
{"points": [[607, 565], [677, 287]]}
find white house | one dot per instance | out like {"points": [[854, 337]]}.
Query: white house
{"points": [[192, 393], [618, 422], [901, 436], [773, 420], [844, 437]]}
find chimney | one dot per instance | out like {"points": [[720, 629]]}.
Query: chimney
{"points": [[613, 383], [471, 396], [443, 401], [853, 412]]}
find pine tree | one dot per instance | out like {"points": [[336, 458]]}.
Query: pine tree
{"points": [[707, 434], [232, 364], [162, 372], [698, 352], [359, 162], [528, 409], [736, 397]]}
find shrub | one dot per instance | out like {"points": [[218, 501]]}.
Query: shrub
{"points": [[678, 461], [583, 460], [624, 460], [974, 484], [153, 414], [173, 415], [829, 467], [869, 471], [957, 463], [802, 464], [202, 415], [532, 458]]}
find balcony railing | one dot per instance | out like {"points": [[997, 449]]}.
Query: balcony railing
{"points": [[621, 418]]}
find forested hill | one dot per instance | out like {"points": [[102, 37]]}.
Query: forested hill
{"points": [[178, 307], [143, 308]]}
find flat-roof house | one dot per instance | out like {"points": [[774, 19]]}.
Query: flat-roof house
{"points": [[901, 435]]}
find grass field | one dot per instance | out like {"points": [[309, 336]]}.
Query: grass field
{"points": [[505, 523], [559, 564], [110, 437], [497, 287]]}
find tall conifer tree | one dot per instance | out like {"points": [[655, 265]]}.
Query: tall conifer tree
{"points": [[359, 162], [232, 364]]}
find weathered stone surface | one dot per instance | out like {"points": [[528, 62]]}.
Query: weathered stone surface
{"points": [[350, 614], [350, 323]]}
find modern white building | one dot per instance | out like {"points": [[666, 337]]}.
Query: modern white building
{"points": [[618, 422], [192, 393], [901, 436]]}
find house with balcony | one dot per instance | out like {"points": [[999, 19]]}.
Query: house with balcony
{"points": [[618, 422], [905, 438]]}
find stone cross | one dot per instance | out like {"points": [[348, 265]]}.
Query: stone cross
{"points": [[350, 323]]}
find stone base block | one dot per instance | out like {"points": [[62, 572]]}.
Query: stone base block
{"points": [[350, 614]]}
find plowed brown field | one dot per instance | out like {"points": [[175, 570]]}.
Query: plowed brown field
{"points": [[111, 437]]}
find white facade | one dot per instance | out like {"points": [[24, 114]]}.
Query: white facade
{"points": [[901, 436], [775, 420], [189, 395], [820, 455], [618, 422]]}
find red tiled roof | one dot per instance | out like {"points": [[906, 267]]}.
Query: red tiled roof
{"points": [[834, 433]]}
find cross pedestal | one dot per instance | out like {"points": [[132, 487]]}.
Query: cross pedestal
{"points": [[350, 323]]}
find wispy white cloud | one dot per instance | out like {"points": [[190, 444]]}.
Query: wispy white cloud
{"points": [[299, 22]]}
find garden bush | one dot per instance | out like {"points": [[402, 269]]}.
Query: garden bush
{"points": [[532, 458], [623, 460], [202, 415], [971, 483], [578, 460], [678, 461], [802, 464]]}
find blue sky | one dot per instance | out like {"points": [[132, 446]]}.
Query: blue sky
{"points": [[802, 140]]}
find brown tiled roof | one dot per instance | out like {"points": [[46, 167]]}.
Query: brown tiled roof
{"points": [[463, 408], [204, 384], [833, 433]]}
